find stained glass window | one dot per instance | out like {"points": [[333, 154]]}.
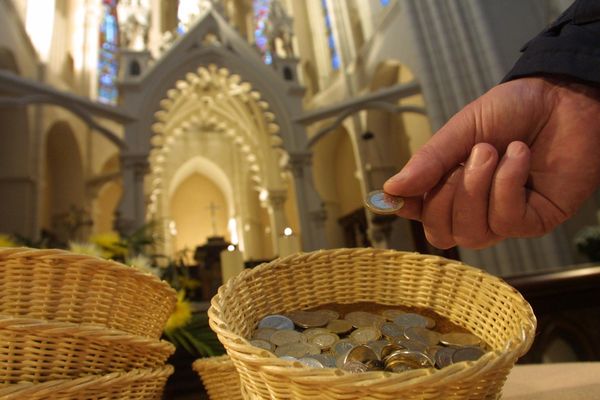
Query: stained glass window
{"points": [[108, 65], [187, 12], [385, 2], [261, 9], [335, 57]]}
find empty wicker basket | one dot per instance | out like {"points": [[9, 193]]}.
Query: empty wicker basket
{"points": [[40, 351], [219, 377], [471, 298], [62, 286], [139, 384]]}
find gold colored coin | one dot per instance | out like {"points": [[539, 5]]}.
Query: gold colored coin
{"points": [[339, 326], [365, 335], [325, 340], [460, 339], [284, 337]]}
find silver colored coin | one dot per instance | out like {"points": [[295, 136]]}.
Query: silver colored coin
{"points": [[411, 344], [377, 346], [390, 330], [412, 319], [355, 367], [362, 319], [311, 362], [380, 202], [288, 358], [391, 314], [276, 321], [327, 360], [309, 319], [365, 335], [423, 335], [443, 357], [467, 354], [312, 332], [264, 333], [325, 340], [343, 346]]}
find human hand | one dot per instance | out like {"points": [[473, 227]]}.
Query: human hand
{"points": [[516, 162]]}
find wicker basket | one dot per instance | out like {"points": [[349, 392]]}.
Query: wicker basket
{"points": [[39, 351], [219, 377], [140, 384], [62, 286], [471, 298]]}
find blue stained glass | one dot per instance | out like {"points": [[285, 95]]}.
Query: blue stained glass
{"points": [[335, 58], [385, 2], [107, 56], [261, 9]]}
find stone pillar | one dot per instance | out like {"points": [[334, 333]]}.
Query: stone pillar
{"points": [[131, 210], [275, 202], [310, 207]]}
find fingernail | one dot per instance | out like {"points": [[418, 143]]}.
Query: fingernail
{"points": [[398, 177], [479, 156], [515, 150]]}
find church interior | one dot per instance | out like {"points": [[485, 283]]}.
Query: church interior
{"points": [[195, 126]]}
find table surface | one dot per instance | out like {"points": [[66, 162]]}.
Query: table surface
{"points": [[561, 381]]}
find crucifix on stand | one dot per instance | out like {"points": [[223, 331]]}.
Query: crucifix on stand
{"points": [[213, 217]]}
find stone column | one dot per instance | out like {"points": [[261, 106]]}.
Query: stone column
{"points": [[132, 209], [275, 202], [310, 207]]}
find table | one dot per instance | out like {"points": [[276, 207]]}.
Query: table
{"points": [[561, 381]]}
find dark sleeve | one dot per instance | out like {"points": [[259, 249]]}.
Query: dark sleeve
{"points": [[570, 46]]}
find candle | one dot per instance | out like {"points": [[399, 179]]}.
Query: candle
{"points": [[232, 263]]}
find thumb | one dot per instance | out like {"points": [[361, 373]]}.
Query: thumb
{"points": [[446, 149]]}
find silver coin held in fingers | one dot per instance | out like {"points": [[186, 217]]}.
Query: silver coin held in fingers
{"points": [[380, 202]]}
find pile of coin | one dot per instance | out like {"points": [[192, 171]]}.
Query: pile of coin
{"points": [[389, 340]]}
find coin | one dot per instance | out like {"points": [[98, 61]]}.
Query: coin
{"points": [[325, 340], [412, 319], [309, 319], [355, 367], [263, 333], [360, 353], [443, 357], [375, 365], [329, 313], [380, 202], [390, 330], [339, 326], [263, 344], [362, 319], [311, 362], [311, 332], [391, 314], [284, 337], [365, 335], [343, 346], [422, 335], [467, 354], [327, 360], [459, 339], [377, 346], [276, 322], [297, 350], [411, 344]]}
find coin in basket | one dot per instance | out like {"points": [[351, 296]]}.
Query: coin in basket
{"points": [[414, 359], [327, 360], [343, 346], [311, 362], [339, 326], [459, 339], [365, 335], [375, 365], [390, 330], [354, 367], [362, 319], [285, 336], [263, 344], [331, 314], [309, 319], [325, 340], [377, 346], [263, 333], [276, 321], [297, 350], [423, 335], [391, 314], [380, 202], [411, 344], [443, 357], [412, 319], [467, 354], [361, 354]]}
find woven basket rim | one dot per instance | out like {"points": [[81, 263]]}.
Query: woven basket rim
{"points": [[333, 376], [101, 333], [113, 379], [89, 261], [215, 363]]}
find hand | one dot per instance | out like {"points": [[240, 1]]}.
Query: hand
{"points": [[516, 162]]}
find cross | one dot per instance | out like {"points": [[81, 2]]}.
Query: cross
{"points": [[213, 211]]}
